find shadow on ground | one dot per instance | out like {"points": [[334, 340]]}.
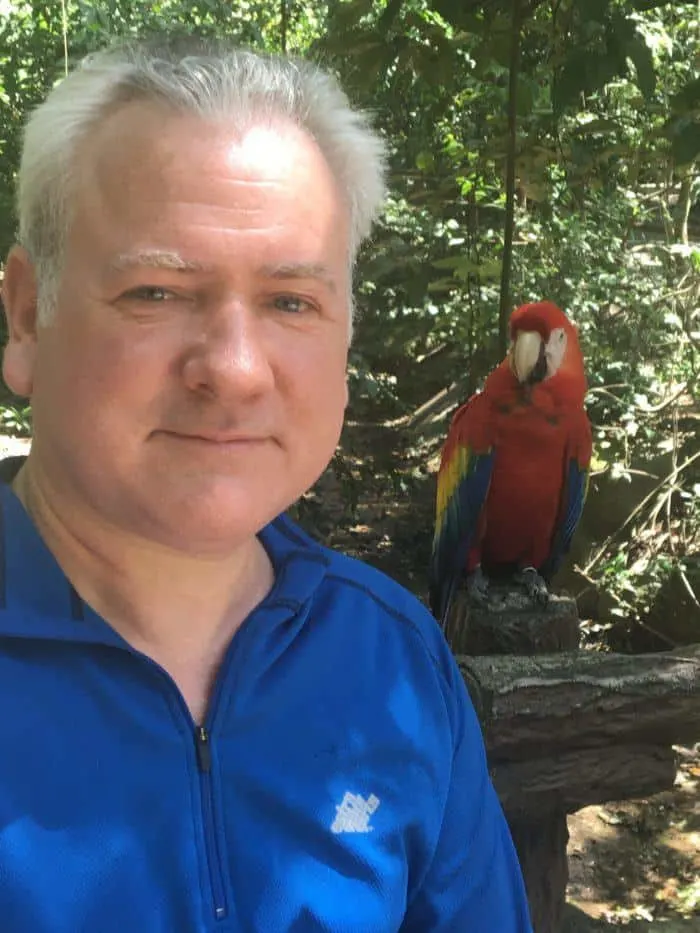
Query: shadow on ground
{"points": [[637, 860]]}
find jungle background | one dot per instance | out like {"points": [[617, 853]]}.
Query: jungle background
{"points": [[539, 149]]}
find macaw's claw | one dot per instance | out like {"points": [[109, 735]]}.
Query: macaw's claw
{"points": [[478, 587], [533, 584]]}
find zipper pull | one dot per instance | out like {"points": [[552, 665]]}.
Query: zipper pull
{"points": [[203, 749]]}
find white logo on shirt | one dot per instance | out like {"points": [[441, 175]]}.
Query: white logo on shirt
{"points": [[353, 813]]}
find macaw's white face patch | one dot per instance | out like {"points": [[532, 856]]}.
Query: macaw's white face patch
{"points": [[555, 349]]}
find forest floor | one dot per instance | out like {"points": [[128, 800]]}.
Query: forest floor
{"points": [[640, 860], [633, 864]]}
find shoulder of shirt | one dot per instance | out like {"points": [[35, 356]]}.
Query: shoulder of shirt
{"points": [[400, 607]]}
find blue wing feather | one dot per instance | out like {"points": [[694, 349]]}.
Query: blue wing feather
{"points": [[457, 526], [575, 489]]}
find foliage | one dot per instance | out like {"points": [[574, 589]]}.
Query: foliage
{"points": [[16, 420]]}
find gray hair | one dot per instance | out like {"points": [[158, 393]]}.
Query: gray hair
{"points": [[211, 80]]}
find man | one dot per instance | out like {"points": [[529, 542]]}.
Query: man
{"points": [[211, 723]]}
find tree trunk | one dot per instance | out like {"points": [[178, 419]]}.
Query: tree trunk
{"points": [[541, 845], [512, 624], [284, 24], [685, 202], [504, 311]]}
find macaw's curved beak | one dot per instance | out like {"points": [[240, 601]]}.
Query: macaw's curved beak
{"points": [[527, 357]]}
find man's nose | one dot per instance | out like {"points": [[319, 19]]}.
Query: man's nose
{"points": [[231, 355]]}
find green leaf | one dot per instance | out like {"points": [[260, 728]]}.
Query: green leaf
{"points": [[345, 16], [687, 99], [571, 80], [598, 125], [441, 285], [654, 4], [620, 30], [425, 161], [450, 262], [685, 143], [457, 13], [499, 49], [462, 267], [595, 10], [525, 98], [643, 60]]}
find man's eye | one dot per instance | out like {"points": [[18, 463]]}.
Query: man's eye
{"points": [[290, 303], [150, 293]]}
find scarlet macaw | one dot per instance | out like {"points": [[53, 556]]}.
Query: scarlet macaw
{"points": [[514, 470]]}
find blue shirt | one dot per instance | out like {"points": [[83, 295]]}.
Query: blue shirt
{"points": [[338, 784]]}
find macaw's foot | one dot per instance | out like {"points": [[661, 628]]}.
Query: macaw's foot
{"points": [[533, 584], [478, 587]]}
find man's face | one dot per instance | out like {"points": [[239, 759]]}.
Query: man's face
{"points": [[192, 383]]}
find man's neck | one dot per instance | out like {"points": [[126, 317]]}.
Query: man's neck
{"points": [[178, 609]]}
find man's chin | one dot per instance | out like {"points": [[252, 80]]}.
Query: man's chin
{"points": [[208, 522], [204, 539]]}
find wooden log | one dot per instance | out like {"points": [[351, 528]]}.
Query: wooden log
{"points": [[579, 778], [512, 624], [566, 728], [545, 705]]}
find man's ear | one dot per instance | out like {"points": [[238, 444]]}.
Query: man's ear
{"points": [[19, 296]]}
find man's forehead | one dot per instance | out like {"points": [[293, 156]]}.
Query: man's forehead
{"points": [[185, 204], [157, 132], [186, 157]]}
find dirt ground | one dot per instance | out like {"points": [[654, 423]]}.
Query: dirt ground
{"points": [[641, 860]]}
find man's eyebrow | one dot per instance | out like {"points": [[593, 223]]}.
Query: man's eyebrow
{"points": [[156, 259], [300, 270], [167, 259]]}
